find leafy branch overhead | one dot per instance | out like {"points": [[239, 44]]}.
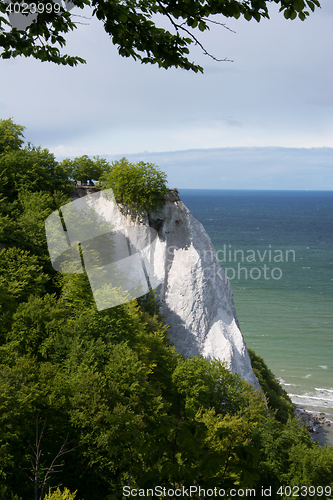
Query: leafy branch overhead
{"points": [[133, 26]]}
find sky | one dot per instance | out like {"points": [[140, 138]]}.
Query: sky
{"points": [[263, 121]]}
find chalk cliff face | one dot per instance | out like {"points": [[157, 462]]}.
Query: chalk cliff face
{"points": [[196, 297]]}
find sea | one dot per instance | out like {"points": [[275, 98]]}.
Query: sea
{"points": [[276, 247]]}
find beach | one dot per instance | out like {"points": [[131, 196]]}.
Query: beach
{"points": [[318, 424]]}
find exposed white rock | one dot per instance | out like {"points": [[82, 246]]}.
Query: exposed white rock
{"points": [[196, 296]]}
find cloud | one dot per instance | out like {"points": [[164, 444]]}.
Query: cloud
{"points": [[277, 92], [244, 168]]}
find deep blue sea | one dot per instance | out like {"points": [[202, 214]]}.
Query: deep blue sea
{"points": [[276, 247]]}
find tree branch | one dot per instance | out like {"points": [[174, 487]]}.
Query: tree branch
{"points": [[35, 461], [51, 469], [181, 26], [217, 22]]}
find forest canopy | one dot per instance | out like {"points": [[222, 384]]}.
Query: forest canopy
{"points": [[134, 26], [93, 401]]}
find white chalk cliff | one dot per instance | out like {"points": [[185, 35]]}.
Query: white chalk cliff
{"points": [[196, 297]]}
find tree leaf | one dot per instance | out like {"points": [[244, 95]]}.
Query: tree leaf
{"points": [[299, 5]]}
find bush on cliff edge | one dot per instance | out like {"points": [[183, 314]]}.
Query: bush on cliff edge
{"points": [[140, 186]]}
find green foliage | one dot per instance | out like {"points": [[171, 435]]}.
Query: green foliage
{"points": [[20, 273], [140, 186], [35, 326], [75, 290], [289, 457], [84, 168], [36, 207], [6, 495], [10, 136], [30, 169], [103, 396], [277, 398], [149, 303], [228, 438], [32, 398], [60, 495], [205, 383], [311, 467], [32, 186], [132, 27]]}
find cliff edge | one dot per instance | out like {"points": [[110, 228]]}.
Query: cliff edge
{"points": [[176, 256], [196, 296]]}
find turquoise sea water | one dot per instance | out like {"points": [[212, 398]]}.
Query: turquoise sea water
{"points": [[277, 250]]}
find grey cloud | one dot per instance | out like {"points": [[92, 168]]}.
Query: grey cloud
{"points": [[275, 93], [244, 168]]}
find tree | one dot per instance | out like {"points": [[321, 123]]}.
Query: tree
{"points": [[30, 391], [20, 276], [286, 452], [30, 169], [10, 136], [84, 168], [132, 25], [21, 273], [39, 474], [277, 398], [141, 186]]}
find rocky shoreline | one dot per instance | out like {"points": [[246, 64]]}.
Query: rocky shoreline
{"points": [[317, 423]]}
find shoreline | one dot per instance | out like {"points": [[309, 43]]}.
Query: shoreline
{"points": [[318, 424]]}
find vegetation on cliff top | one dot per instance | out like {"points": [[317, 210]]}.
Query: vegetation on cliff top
{"points": [[140, 186]]}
